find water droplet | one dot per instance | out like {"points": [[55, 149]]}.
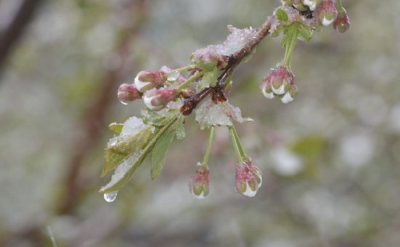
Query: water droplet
{"points": [[110, 197], [173, 76], [123, 102]]}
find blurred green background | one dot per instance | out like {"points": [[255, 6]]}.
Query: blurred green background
{"points": [[330, 159]]}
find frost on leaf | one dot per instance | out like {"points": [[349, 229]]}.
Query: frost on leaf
{"points": [[134, 136], [211, 114], [121, 173]]}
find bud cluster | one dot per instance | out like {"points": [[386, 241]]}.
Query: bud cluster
{"points": [[280, 83], [206, 86]]}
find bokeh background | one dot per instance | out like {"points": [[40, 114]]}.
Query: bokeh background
{"points": [[330, 159]]}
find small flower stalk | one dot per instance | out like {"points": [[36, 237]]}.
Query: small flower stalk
{"points": [[199, 182], [248, 178], [279, 83]]}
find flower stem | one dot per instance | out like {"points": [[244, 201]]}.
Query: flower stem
{"points": [[209, 145], [339, 6], [240, 155], [191, 79], [290, 44], [188, 67]]}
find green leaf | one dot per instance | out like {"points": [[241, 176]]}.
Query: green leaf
{"points": [[131, 156], [158, 153], [120, 148], [305, 32], [281, 15], [116, 127]]}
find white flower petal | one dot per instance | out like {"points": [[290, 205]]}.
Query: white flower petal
{"points": [[280, 90], [140, 84], [249, 192], [147, 101], [287, 98], [268, 95], [327, 22]]}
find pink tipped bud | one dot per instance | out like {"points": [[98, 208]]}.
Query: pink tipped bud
{"points": [[248, 178], [128, 93], [327, 12], [199, 182], [146, 80], [342, 22], [277, 82], [157, 98]]}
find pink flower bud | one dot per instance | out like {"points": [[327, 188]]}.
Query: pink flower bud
{"points": [[128, 93], [146, 80], [248, 178], [199, 182], [327, 12], [342, 22], [278, 82], [157, 98]]}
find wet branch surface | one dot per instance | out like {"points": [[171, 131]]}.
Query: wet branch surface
{"points": [[233, 61]]}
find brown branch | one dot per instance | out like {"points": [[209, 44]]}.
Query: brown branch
{"points": [[233, 61], [10, 36]]}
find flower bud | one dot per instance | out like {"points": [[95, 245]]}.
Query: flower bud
{"points": [[311, 4], [342, 22], [157, 98], [277, 82], [248, 178], [146, 80], [128, 93], [199, 182], [327, 12]]}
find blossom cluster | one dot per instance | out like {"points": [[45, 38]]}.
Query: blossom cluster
{"points": [[203, 88]]}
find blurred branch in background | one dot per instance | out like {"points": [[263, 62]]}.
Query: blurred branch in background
{"points": [[92, 119], [15, 15], [95, 114]]}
